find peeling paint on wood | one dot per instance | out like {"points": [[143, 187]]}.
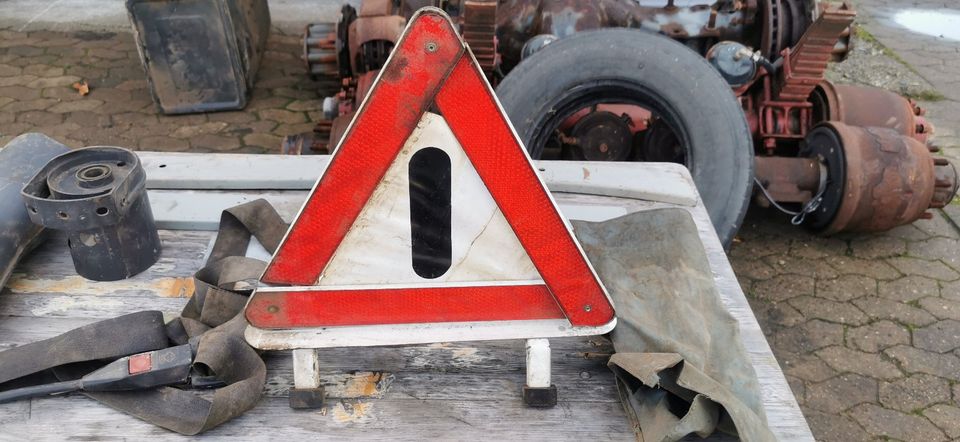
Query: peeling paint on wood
{"points": [[78, 285]]}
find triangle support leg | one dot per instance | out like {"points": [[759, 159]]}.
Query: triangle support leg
{"points": [[539, 391], [307, 391]]}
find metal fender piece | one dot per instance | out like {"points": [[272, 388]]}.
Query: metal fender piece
{"points": [[19, 161]]}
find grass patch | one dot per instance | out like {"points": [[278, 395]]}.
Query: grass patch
{"points": [[863, 34], [926, 95]]}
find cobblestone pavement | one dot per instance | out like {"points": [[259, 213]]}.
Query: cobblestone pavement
{"points": [[38, 68], [866, 327]]}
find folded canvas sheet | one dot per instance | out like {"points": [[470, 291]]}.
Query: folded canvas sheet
{"points": [[680, 364]]}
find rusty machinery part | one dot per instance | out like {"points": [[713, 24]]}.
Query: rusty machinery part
{"points": [[600, 67], [320, 54], [806, 62], [780, 108], [783, 23], [98, 196], [347, 16], [697, 23], [316, 142], [785, 180], [373, 34], [869, 107], [878, 178], [479, 30], [735, 62], [535, 44], [600, 136]]}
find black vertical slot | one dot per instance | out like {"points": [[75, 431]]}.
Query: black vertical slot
{"points": [[430, 223]]}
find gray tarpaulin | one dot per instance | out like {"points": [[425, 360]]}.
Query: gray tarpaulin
{"points": [[681, 367]]}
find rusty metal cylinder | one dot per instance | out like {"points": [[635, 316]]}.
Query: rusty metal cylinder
{"points": [[868, 107], [98, 196], [788, 179], [878, 178]]}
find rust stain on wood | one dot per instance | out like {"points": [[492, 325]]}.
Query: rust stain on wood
{"points": [[346, 412], [77, 285], [365, 385]]}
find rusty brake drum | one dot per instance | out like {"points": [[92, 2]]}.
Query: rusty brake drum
{"points": [[878, 178]]}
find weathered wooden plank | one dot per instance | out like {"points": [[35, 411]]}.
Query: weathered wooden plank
{"points": [[46, 278], [666, 182], [377, 419]]}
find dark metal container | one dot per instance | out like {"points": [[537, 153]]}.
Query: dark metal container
{"points": [[98, 196], [200, 55], [19, 161]]}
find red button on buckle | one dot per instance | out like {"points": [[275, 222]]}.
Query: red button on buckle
{"points": [[139, 363]]}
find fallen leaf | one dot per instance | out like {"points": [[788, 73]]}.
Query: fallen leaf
{"points": [[82, 87]]}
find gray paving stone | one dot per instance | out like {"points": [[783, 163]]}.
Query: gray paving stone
{"points": [[941, 308], [938, 226], [775, 316], [806, 366], [835, 428], [832, 311], [841, 393], [846, 360], [30, 105], [791, 265], [940, 337], [931, 269], [894, 424], [950, 290], [878, 247], [908, 288], [943, 249], [816, 247], [877, 336], [946, 417], [199, 129], [914, 393], [783, 287], [847, 287], [908, 232], [871, 268], [754, 269], [809, 336], [76, 106], [915, 360], [879, 308]]}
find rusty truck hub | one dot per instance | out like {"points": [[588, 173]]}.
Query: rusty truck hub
{"points": [[855, 158]]}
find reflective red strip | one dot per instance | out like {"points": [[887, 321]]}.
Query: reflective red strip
{"points": [[496, 153], [426, 54], [403, 92], [329, 308]]}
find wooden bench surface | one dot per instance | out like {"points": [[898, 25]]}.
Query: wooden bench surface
{"points": [[446, 391]]}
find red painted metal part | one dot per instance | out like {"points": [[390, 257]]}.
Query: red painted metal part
{"points": [[385, 122], [410, 81], [330, 308], [532, 214]]}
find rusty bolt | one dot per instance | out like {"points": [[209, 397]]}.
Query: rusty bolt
{"points": [[273, 309]]}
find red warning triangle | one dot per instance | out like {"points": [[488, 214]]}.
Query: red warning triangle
{"points": [[430, 65]]}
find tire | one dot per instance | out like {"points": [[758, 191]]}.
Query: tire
{"points": [[627, 65]]}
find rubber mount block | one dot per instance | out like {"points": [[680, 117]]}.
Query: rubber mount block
{"points": [[301, 399], [540, 397]]}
